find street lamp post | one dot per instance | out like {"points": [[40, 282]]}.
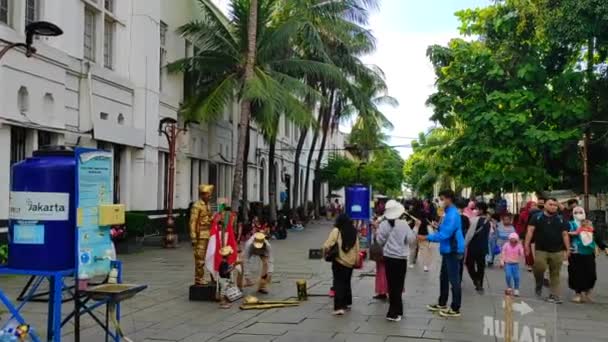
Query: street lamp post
{"points": [[169, 128], [38, 28], [584, 144]]}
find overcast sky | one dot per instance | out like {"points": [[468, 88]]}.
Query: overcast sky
{"points": [[404, 29]]}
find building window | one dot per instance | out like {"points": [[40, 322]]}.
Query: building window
{"points": [[32, 11], [44, 139], [23, 100], [163, 52], [262, 180], [89, 34], [109, 5], [18, 135], [108, 44], [120, 119], [103, 116], [4, 12]]}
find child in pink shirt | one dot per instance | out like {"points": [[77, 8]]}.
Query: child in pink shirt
{"points": [[510, 258]]}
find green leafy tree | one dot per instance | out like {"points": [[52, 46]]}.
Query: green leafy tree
{"points": [[514, 109]]}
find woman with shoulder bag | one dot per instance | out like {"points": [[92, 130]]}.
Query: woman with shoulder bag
{"points": [[395, 236], [342, 250]]}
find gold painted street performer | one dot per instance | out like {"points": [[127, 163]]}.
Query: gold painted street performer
{"points": [[200, 221], [258, 251]]}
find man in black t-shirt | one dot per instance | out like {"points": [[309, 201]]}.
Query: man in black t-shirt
{"points": [[550, 233]]}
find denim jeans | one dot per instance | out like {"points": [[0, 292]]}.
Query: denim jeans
{"points": [[512, 275], [450, 276]]}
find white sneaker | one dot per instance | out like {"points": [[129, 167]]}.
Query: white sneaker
{"points": [[411, 266], [516, 293], [426, 268], [339, 312], [396, 319]]}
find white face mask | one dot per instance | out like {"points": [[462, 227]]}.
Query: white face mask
{"points": [[579, 216]]}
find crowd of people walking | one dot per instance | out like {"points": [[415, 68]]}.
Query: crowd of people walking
{"points": [[474, 235]]}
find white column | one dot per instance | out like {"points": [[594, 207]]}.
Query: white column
{"points": [[144, 73], [31, 141], [5, 161], [125, 177]]}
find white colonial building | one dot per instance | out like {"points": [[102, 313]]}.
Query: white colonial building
{"points": [[102, 84]]}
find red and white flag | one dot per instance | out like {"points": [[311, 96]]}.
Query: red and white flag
{"points": [[213, 257]]}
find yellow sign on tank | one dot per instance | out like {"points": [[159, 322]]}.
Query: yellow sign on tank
{"points": [[111, 214]]}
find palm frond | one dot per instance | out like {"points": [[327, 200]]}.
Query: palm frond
{"points": [[205, 107], [386, 100]]}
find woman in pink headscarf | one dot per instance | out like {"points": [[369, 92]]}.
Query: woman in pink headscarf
{"points": [[471, 210]]}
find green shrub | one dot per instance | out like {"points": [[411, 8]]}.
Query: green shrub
{"points": [[3, 254], [137, 223]]}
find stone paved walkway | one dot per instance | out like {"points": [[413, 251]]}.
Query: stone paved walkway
{"points": [[163, 312]]}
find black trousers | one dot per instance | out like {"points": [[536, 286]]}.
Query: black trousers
{"points": [[395, 277], [476, 266], [342, 276]]}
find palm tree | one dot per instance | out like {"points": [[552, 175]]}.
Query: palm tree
{"points": [[338, 25], [248, 58], [367, 131]]}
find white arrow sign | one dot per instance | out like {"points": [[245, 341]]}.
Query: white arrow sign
{"points": [[523, 308]]}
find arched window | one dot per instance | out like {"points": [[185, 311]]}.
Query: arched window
{"points": [[262, 178], [23, 100]]}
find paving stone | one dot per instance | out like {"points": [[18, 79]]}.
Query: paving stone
{"points": [[333, 324], [359, 338], [305, 336], [266, 329], [248, 338], [407, 339]]}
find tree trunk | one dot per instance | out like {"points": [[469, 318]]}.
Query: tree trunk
{"points": [[311, 153], [296, 166], [272, 181], [252, 27], [245, 175], [327, 114]]}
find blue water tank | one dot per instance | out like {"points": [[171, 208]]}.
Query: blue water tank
{"points": [[358, 199], [42, 226]]}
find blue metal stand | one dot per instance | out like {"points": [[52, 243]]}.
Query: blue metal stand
{"points": [[55, 279], [82, 306]]}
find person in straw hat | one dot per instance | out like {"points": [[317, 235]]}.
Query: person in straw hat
{"points": [[224, 280], [258, 249], [200, 221], [395, 236]]}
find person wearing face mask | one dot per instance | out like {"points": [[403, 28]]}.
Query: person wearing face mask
{"points": [[582, 272], [471, 210], [476, 242]]}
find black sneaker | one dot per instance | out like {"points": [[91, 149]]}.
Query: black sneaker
{"points": [[436, 307], [479, 290], [539, 291], [449, 313], [554, 300], [381, 297]]}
